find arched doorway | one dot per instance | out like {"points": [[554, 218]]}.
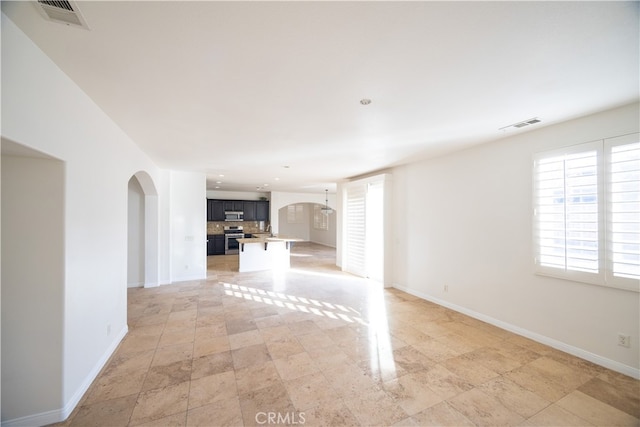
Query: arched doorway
{"points": [[142, 253], [307, 222]]}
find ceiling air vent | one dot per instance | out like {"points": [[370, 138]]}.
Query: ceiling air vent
{"points": [[63, 11], [522, 124]]}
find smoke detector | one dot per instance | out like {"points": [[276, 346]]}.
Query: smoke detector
{"points": [[64, 12]]}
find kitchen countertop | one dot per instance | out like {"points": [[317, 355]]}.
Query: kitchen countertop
{"points": [[265, 253], [266, 239], [259, 233]]}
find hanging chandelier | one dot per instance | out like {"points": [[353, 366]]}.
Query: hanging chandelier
{"points": [[326, 210]]}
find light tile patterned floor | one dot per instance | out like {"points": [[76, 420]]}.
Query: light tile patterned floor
{"points": [[313, 346]]}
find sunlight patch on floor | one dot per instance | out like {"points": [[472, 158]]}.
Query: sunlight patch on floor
{"points": [[292, 302]]}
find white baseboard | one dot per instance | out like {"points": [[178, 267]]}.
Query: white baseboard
{"points": [[41, 419], [190, 278], [75, 399], [558, 345], [323, 244], [58, 415]]}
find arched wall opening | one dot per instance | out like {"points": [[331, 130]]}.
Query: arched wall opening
{"points": [[142, 241], [282, 199], [307, 222]]}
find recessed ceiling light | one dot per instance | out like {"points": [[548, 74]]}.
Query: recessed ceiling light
{"points": [[365, 101], [277, 179], [217, 186], [221, 176], [218, 182], [266, 185]]}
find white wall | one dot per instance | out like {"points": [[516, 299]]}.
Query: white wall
{"points": [[465, 220], [135, 247], [44, 110], [32, 285], [188, 213], [164, 240]]}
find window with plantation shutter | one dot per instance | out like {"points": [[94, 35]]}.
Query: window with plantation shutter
{"points": [[567, 211], [295, 214], [587, 212], [320, 220], [623, 215]]}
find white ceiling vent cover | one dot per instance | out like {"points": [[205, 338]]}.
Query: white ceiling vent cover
{"points": [[522, 124], [63, 11]]}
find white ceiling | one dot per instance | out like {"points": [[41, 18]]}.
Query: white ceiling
{"points": [[244, 89]]}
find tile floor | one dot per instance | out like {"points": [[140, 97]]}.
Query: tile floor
{"points": [[313, 346]]}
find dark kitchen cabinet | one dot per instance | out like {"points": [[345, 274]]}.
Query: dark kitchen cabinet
{"points": [[233, 205], [262, 211], [218, 244], [253, 210], [215, 244], [249, 211], [209, 245], [215, 210]]}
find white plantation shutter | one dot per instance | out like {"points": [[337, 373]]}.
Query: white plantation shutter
{"points": [[587, 212], [567, 206], [581, 211], [295, 214], [375, 226], [355, 230], [550, 224], [623, 214]]}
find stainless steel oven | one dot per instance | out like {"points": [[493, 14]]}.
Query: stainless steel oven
{"points": [[231, 235]]}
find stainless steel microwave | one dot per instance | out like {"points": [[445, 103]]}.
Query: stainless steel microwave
{"points": [[233, 216]]}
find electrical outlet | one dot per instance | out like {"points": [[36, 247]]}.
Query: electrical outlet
{"points": [[624, 340]]}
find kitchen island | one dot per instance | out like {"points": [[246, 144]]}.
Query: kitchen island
{"points": [[265, 253]]}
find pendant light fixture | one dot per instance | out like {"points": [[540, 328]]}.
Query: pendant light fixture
{"points": [[326, 210]]}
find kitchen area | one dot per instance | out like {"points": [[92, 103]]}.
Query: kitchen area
{"points": [[242, 228], [230, 220]]}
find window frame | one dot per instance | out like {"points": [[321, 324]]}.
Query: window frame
{"points": [[604, 275], [320, 220]]}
